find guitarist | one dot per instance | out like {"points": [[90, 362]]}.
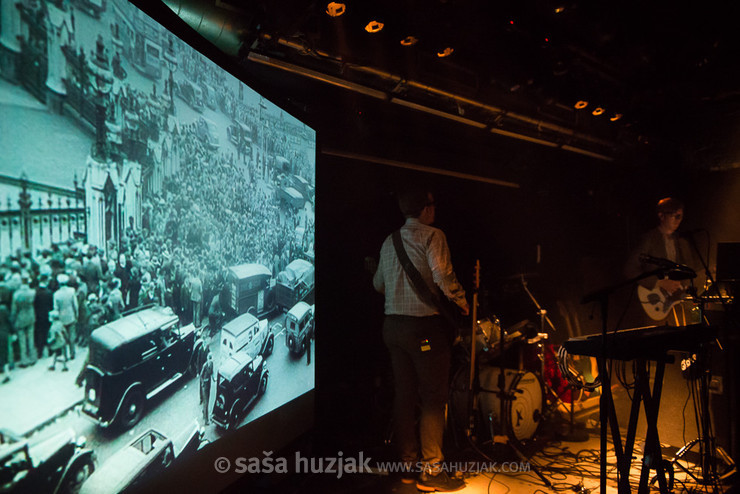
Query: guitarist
{"points": [[659, 296], [417, 338]]}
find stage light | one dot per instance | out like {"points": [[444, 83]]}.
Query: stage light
{"points": [[374, 26], [335, 9], [409, 41], [581, 105], [597, 111], [446, 52], [616, 117]]}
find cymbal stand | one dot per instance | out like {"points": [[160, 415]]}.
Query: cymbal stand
{"points": [[542, 313], [544, 318], [505, 434]]}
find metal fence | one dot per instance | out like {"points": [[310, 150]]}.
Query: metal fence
{"points": [[34, 216]]}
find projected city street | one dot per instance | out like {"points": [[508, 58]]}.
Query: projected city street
{"points": [[156, 244]]}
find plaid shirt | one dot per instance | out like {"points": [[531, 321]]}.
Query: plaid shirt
{"points": [[427, 248]]}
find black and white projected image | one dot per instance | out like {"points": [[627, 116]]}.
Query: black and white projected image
{"points": [[156, 248]]}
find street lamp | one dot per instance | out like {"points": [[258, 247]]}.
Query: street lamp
{"points": [[170, 57], [101, 80]]}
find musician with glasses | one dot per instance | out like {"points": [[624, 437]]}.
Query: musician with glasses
{"points": [[659, 294], [418, 339]]}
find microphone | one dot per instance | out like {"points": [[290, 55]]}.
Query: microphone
{"points": [[673, 270]]}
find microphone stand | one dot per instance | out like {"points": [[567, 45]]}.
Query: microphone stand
{"points": [[708, 447], [712, 281]]}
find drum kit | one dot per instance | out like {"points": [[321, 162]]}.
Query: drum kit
{"points": [[508, 395], [517, 354]]}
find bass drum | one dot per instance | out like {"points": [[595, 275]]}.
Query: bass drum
{"points": [[522, 403]]}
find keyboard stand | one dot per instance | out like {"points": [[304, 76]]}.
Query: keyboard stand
{"points": [[652, 456]]}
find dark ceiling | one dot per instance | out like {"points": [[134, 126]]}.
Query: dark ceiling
{"points": [[517, 69]]}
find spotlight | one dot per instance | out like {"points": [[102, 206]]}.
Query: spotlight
{"points": [[446, 52], [409, 41], [616, 117], [335, 9], [581, 105], [374, 27], [597, 111]]}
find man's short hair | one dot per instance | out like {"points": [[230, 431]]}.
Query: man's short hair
{"points": [[412, 201], [668, 205]]}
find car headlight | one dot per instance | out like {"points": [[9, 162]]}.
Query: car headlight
{"points": [[91, 394]]}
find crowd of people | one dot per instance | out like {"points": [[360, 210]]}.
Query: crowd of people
{"points": [[208, 217], [208, 213]]}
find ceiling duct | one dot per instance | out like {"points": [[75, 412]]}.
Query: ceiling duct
{"points": [[228, 31], [216, 22]]}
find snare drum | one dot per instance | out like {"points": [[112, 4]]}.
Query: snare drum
{"points": [[522, 403]]}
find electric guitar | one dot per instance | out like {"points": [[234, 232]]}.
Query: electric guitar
{"points": [[657, 302]]}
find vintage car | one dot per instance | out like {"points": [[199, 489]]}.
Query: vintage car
{"points": [[142, 459], [294, 284], [240, 134], [134, 358], [190, 94], [209, 95], [241, 380], [247, 334], [59, 463], [207, 132], [299, 325], [297, 182], [250, 289], [289, 196]]}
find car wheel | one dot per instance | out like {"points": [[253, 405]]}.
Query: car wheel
{"points": [[76, 476], [235, 417], [270, 345], [132, 409], [263, 384]]}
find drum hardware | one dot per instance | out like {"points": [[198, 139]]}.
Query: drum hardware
{"points": [[487, 341], [541, 335], [517, 404], [506, 435]]}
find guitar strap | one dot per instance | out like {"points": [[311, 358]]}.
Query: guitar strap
{"points": [[418, 284]]}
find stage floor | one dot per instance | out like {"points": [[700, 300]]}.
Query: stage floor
{"points": [[568, 467]]}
